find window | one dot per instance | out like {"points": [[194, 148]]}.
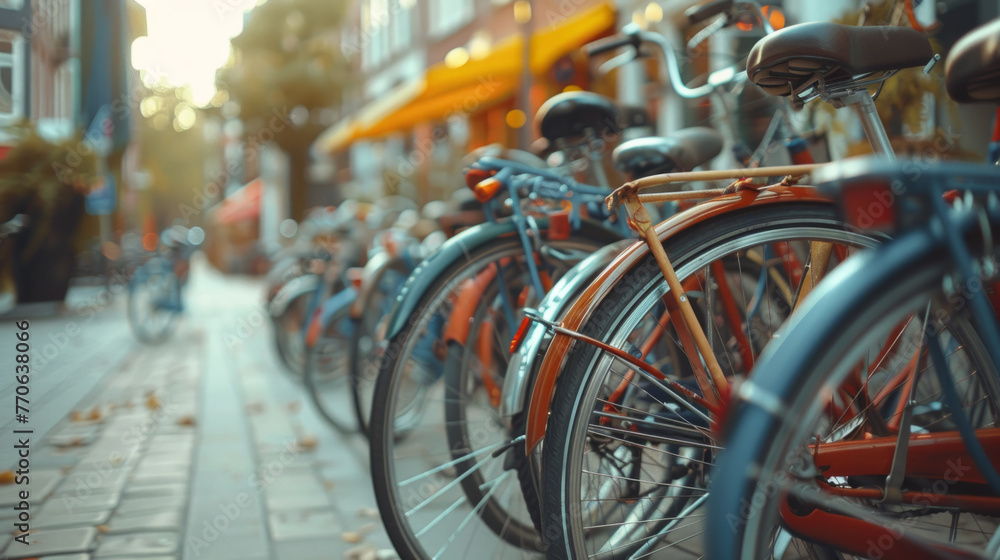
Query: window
{"points": [[449, 15], [402, 25], [375, 17], [11, 76]]}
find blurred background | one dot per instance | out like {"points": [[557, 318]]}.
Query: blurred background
{"points": [[123, 117]]}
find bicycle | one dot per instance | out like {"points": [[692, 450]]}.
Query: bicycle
{"points": [[154, 295], [905, 354], [629, 445]]}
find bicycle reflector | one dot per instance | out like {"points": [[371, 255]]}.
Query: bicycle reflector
{"points": [[486, 189], [315, 325], [515, 343], [869, 205]]}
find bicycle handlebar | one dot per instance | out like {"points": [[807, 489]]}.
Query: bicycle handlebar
{"points": [[13, 225], [701, 12], [601, 46]]}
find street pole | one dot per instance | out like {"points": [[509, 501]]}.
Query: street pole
{"points": [[524, 133]]}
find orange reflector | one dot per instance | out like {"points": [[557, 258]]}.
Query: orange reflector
{"points": [[473, 176], [315, 325], [356, 276], [559, 225], [515, 343], [775, 16], [486, 189]]}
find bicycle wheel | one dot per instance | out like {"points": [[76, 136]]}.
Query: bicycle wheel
{"points": [[442, 458], [626, 457], [368, 344], [327, 373], [153, 302], [783, 483]]}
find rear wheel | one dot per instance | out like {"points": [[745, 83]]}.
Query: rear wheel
{"points": [[443, 460], [627, 457], [327, 373], [368, 343], [783, 483]]}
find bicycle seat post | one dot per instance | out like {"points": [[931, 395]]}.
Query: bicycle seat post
{"points": [[870, 121], [595, 157]]}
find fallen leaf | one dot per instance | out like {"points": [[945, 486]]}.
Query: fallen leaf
{"points": [[361, 552], [328, 484], [76, 416], [367, 512], [186, 421], [255, 408], [102, 528], [95, 414], [7, 477], [152, 403], [351, 537], [307, 442], [294, 406]]}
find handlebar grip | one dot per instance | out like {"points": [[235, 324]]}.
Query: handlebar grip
{"points": [[701, 12], [611, 43]]}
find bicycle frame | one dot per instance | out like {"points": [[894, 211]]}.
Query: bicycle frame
{"points": [[742, 195]]}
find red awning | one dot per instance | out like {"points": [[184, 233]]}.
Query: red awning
{"points": [[243, 204]]}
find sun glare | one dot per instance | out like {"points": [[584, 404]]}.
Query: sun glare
{"points": [[188, 40]]}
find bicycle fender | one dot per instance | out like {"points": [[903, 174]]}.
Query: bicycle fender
{"points": [[378, 262], [426, 274], [291, 290], [518, 378], [322, 316], [577, 314]]}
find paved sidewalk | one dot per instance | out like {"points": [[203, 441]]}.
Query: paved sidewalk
{"points": [[199, 448]]}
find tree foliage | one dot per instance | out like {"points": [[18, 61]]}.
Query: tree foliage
{"points": [[288, 56]]}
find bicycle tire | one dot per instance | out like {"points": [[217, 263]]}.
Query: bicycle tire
{"points": [[857, 305], [376, 306], [406, 538], [322, 381], [568, 424]]}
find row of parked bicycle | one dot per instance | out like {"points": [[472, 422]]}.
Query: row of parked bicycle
{"points": [[781, 367]]}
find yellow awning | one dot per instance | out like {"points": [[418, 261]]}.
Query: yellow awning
{"points": [[474, 86]]}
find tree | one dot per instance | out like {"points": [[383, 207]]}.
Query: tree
{"points": [[288, 68]]}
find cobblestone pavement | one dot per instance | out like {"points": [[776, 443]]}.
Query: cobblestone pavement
{"points": [[199, 448]]}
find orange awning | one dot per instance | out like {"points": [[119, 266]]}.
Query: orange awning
{"points": [[244, 204], [476, 85]]}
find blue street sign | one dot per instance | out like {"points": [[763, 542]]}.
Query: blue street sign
{"points": [[102, 200]]}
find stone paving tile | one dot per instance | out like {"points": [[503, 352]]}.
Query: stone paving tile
{"points": [[138, 544], [159, 503], [53, 541], [148, 521], [73, 502], [157, 490], [308, 549], [298, 489], [303, 524], [58, 520], [67, 557], [236, 543], [41, 482]]}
